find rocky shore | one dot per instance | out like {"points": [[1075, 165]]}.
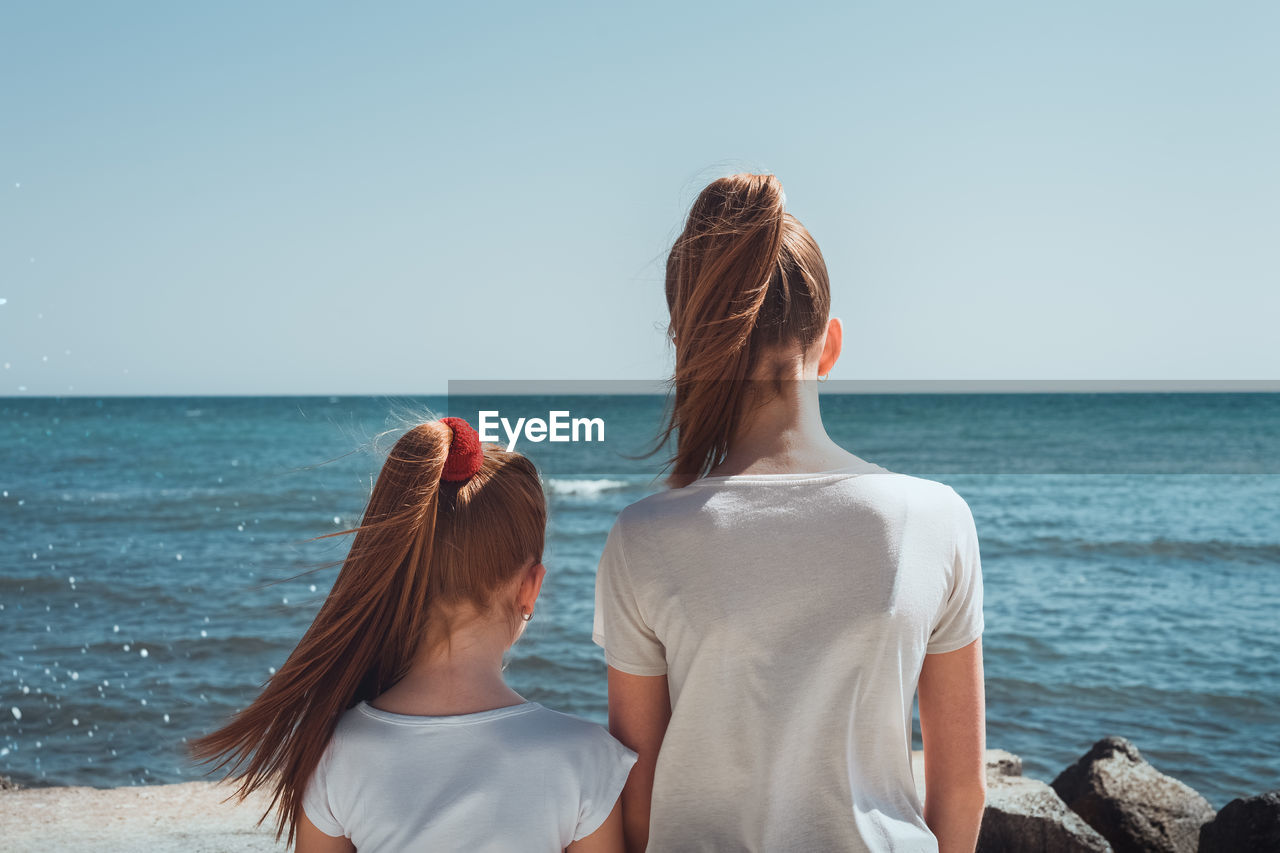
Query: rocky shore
{"points": [[1111, 799]]}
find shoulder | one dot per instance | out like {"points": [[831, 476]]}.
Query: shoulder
{"points": [[658, 513], [354, 734], [573, 736], [948, 500], [673, 509], [938, 507], [923, 503], [921, 489], [893, 491], [564, 727], [341, 756], [655, 507]]}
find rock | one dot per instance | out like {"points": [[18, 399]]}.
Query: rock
{"points": [[1002, 763], [7, 784], [1245, 824], [1024, 815], [1130, 803]]}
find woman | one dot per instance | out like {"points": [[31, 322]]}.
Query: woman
{"points": [[768, 620]]}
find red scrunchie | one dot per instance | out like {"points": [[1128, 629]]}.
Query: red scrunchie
{"points": [[466, 456]]}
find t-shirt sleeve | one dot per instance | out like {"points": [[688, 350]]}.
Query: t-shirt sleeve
{"points": [[316, 801], [608, 764], [629, 643], [960, 620]]}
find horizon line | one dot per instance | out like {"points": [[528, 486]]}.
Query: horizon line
{"points": [[644, 387]]}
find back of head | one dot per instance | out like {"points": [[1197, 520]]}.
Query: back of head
{"points": [[443, 532], [745, 282], [435, 545]]}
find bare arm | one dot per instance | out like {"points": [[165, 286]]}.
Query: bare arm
{"points": [[953, 725], [312, 840], [639, 710], [606, 839]]}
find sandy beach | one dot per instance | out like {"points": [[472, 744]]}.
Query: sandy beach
{"points": [[186, 818], [1022, 813], [191, 817]]}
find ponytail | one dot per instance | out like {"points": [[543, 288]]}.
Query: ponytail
{"points": [[422, 547], [743, 277]]}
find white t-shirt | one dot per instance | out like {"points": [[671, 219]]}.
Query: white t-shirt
{"points": [[517, 778], [791, 614]]}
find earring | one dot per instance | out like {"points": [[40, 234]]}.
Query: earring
{"points": [[526, 616], [824, 378]]}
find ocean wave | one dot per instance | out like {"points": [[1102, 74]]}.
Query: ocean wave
{"points": [[584, 488], [1200, 551], [1075, 697]]}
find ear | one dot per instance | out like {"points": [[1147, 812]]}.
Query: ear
{"points": [[831, 346], [530, 587]]}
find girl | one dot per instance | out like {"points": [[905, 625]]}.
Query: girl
{"points": [[390, 727], [768, 620]]}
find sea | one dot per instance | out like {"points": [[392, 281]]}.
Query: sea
{"points": [[160, 557]]}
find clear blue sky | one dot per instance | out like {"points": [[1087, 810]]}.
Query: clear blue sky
{"points": [[364, 198]]}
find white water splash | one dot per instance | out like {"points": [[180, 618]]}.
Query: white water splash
{"points": [[584, 488]]}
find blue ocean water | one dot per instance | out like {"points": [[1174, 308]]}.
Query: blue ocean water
{"points": [[157, 559]]}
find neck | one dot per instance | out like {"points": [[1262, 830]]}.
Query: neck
{"points": [[784, 434], [464, 677]]}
